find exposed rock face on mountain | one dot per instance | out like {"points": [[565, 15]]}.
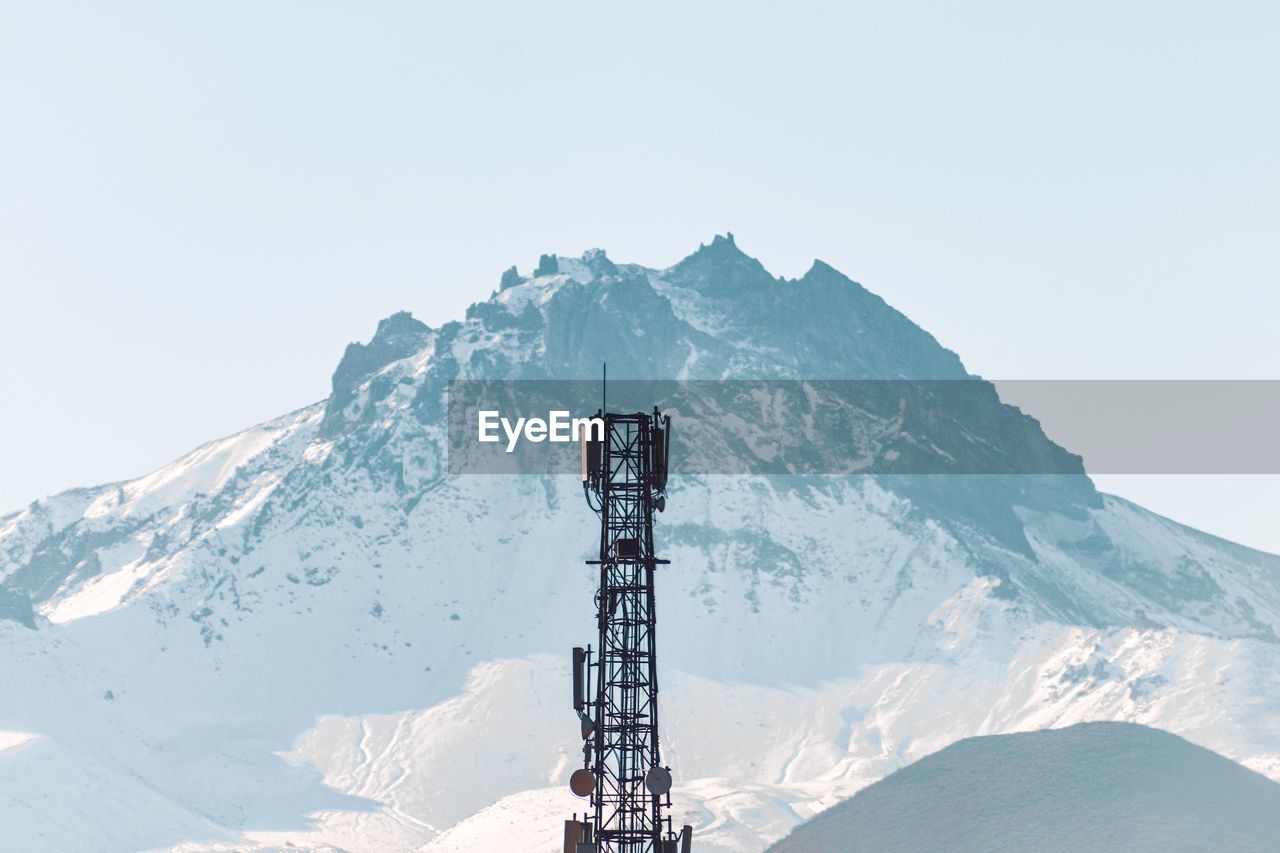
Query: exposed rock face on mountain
{"points": [[1104, 787], [320, 586]]}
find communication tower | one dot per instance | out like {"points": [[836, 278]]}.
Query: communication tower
{"points": [[624, 478]]}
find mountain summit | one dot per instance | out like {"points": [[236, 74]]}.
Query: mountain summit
{"points": [[311, 633]]}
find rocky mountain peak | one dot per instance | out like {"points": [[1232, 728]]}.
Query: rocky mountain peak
{"points": [[397, 337], [720, 268]]}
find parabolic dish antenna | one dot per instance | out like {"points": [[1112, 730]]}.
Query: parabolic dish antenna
{"points": [[582, 782], [658, 781]]}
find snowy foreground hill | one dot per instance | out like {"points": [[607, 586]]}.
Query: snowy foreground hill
{"points": [[1101, 787], [309, 633]]}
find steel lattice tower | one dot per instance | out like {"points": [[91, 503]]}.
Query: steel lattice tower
{"points": [[624, 476]]}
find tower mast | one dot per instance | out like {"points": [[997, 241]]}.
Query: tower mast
{"points": [[624, 477]]}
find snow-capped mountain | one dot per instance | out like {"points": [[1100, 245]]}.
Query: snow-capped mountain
{"points": [[312, 633]]}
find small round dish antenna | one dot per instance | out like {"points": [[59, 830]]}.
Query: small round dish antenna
{"points": [[658, 781], [583, 782]]}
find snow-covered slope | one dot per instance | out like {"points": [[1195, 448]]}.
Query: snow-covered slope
{"points": [[1103, 787], [311, 633]]}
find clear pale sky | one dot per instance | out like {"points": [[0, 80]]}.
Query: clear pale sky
{"points": [[201, 204]]}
